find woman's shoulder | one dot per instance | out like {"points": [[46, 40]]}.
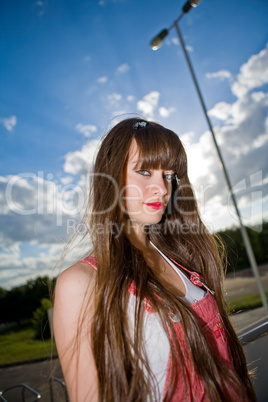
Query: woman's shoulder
{"points": [[72, 315], [74, 286], [77, 279]]}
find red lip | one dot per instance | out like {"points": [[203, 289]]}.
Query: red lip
{"points": [[155, 205]]}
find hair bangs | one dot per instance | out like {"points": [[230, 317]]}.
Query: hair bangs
{"points": [[160, 148]]}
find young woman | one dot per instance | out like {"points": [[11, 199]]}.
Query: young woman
{"points": [[142, 317]]}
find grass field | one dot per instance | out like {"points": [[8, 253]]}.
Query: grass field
{"points": [[246, 302], [18, 343]]}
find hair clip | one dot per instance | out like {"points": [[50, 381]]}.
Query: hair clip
{"points": [[177, 179], [140, 124]]}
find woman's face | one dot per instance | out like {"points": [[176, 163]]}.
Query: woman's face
{"points": [[147, 192]]}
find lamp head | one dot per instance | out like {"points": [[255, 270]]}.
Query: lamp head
{"points": [[156, 42], [189, 4], [194, 3]]}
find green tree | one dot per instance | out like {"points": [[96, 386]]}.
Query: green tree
{"points": [[20, 302], [236, 251], [13, 306], [40, 320]]}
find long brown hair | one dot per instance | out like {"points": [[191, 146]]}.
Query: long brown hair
{"points": [[120, 358]]}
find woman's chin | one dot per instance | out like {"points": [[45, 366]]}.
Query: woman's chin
{"points": [[153, 220]]}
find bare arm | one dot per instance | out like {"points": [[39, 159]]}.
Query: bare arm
{"points": [[75, 355]]}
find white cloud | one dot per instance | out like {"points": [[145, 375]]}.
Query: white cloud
{"points": [[17, 193], [114, 98], [123, 68], [79, 162], [251, 111], [41, 213], [221, 74], [189, 48], [148, 104], [221, 111], [166, 112], [66, 180], [86, 129], [246, 128], [243, 140], [260, 141], [16, 269], [152, 98], [175, 41], [40, 7], [253, 74], [29, 194], [9, 122], [145, 107], [37, 214], [187, 138], [102, 80], [130, 98], [242, 159], [199, 158]]}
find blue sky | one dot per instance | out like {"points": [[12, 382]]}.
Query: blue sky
{"points": [[68, 68]]}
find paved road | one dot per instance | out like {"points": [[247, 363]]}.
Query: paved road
{"points": [[256, 352], [244, 283], [257, 358], [37, 375]]}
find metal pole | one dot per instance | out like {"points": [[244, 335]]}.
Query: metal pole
{"points": [[244, 232]]}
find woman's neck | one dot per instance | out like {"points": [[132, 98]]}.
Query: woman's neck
{"points": [[137, 236]]}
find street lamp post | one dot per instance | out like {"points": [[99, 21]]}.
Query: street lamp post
{"points": [[155, 44]]}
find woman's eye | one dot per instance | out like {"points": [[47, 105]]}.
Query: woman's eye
{"points": [[169, 176], [144, 172]]}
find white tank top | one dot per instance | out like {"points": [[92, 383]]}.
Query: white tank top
{"points": [[193, 292], [155, 339]]}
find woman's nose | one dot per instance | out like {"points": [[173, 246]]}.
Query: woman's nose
{"points": [[159, 187]]}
